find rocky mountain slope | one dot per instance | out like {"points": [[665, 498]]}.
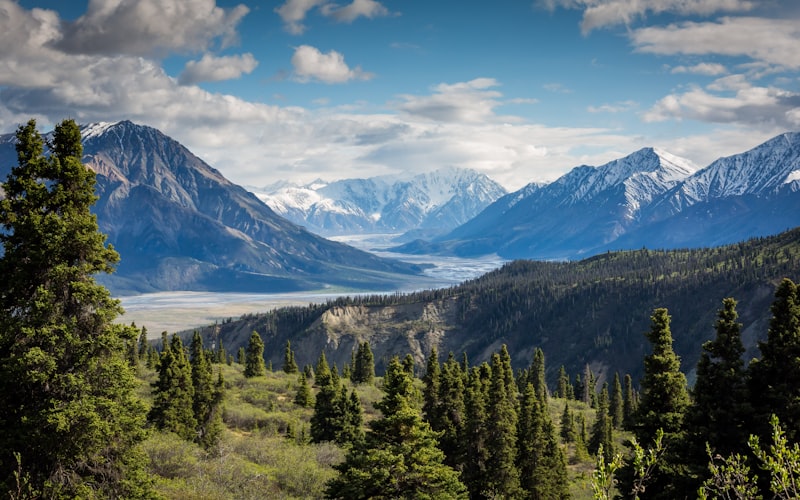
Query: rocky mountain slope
{"points": [[425, 204], [648, 199], [179, 224], [594, 311]]}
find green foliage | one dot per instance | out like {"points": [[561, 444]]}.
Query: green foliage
{"points": [[400, 458], [364, 365], [502, 476], [173, 393], [601, 437], [603, 480], [289, 364], [71, 420], [303, 398], [773, 377], [617, 405], [254, 359], [781, 461]]}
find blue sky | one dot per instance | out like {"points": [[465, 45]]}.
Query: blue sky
{"points": [[522, 90]]}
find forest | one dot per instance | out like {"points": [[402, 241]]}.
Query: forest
{"points": [[92, 408]]}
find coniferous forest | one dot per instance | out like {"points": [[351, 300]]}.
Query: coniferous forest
{"points": [[94, 409]]}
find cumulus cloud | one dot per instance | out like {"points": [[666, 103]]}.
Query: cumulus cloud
{"points": [[147, 27], [605, 13], [471, 101], [707, 69], [294, 12], [215, 69], [772, 41], [311, 64], [731, 100], [351, 12]]}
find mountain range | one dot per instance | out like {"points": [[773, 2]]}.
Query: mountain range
{"points": [[426, 204], [179, 224], [648, 199]]}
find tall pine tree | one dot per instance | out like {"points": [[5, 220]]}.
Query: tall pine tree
{"points": [[254, 359], [67, 400]]}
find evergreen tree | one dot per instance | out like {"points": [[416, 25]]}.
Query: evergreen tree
{"points": [[327, 421], [350, 432], [662, 406], [629, 404], [430, 392], [718, 414], [476, 452], [254, 360], [289, 364], [501, 471], [408, 365], [241, 356], [567, 425], [173, 393], [207, 396], [774, 377], [601, 430], [540, 460], [322, 372], [564, 389], [364, 368], [303, 398], [144, 345], [537, 375], [617, 406], [451, 416], [400, 458], [67, 395]]}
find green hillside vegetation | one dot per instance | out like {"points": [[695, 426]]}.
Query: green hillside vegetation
{"points": [[586, 312]]}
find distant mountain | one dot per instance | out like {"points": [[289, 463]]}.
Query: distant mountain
{"points": [[178, 224], [647, 199], [426, 204]]}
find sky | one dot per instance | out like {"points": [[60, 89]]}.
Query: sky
{"points": [[521, 90]]}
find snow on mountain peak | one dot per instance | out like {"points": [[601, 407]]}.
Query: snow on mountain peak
{"points": [[96, 129]]}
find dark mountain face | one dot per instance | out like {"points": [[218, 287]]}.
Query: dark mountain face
{"points": [[648, 199], [180, 225]]}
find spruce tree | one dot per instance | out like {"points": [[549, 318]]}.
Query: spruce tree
{"points": [[617, 405], [364, 368], [475, 448], [663, 405], [567, 425], [67, 395], [207, 396], [400, 458], [601, 430], [451, 416], [327, 420], [629, 404], [303, 397], [289, 364], [408, 365], [254, 359], [322, 371], [430, 391], [537, 375], [774, 377], [719, 411], [501, 440], [173, 393], [563, 383]]}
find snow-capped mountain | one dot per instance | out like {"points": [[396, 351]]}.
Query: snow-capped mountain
{"points": [[179, 224], [587, 207], [431, 203], [647, 199]]}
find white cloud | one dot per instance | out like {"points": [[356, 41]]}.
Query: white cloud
{"points": [[351, 12], [735, 102], [465, 102], [214, 69], [605, 13], [772, 41], [558, 88], [311, 64], [619, 107], [294, 12], [708, 69], [145, 27]]}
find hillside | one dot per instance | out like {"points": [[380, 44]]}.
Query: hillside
{"points": [[593, 311], [179, 224]]}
